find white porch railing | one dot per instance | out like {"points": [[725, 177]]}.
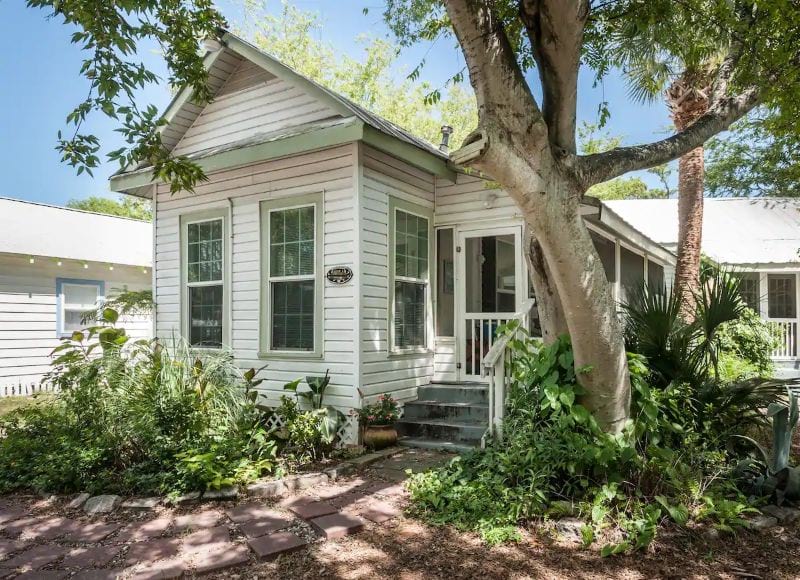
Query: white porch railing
{"points": [[786, 328], [481, 328], [495, 368]]}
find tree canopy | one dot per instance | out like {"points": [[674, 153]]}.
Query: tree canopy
{"points": [[124, 206]]}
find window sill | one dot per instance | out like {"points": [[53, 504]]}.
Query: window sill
{"points": [[410, 352], [289, 355]]}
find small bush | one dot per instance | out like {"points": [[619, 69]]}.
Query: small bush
{"points": [[746, 345], [136, 417]]}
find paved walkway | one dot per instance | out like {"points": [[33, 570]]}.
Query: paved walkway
{"points": [[44, 541]]}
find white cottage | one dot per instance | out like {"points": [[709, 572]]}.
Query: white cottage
{"points": [[55, 264], [757, 237], [328, 239]]}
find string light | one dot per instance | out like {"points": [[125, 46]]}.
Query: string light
{"points": [[111, 267], [86, 266], [144, 270], [31, 260], [58, 263]]}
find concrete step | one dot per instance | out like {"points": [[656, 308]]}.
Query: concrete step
{"points": [[424, 409], [474, 393], [437, 444], [456, 431]]}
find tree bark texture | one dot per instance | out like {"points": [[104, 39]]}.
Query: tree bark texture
{"points": [[688, 101], [552, 320]]}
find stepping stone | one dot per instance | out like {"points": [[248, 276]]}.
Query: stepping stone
{"points": [[273, 545], [250, 511], [379, 511], [90, 533], [152, 551], [101, 504], [145, 530], [8, 547], [203, 519], [338, 525], [163, 570], [313, 509], [42, 528], [36, 557], [141, 503], [90, 557], [207, 539], [266, 524], [98, 574], [226, 556], [78, 501], [229, 492]]}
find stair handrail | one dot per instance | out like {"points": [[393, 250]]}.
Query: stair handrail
{"points": [[494, 366]]}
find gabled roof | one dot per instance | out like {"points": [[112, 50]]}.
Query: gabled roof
{"points": [[37, 229], [744, 231], [222, 61]]}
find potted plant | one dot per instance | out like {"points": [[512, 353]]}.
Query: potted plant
{"points": [[377, 422]]}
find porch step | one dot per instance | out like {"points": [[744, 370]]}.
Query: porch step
{"points": [[471, 393], [432, 409], [464, 431], [435, 444]]}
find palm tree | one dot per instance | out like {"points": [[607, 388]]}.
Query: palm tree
{"points": [[687, 99]]}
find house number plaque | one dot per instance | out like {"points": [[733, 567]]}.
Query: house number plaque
{"points": [[340, 275]]}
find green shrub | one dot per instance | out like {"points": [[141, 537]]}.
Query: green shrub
{"points": [[136, 417], [660, 467], [746, 345]]}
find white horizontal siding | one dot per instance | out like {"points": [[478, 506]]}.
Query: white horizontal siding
{"points": [[384, 177], [251, 101], [328, 171], [28, 329], [466, 201]]}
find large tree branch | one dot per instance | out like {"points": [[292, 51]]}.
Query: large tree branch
{"points": [[504, 98], [555, 30], [601, 167]]}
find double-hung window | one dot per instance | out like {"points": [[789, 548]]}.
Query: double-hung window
{"points": [[205, 281], [411, 278], [290, 237], [76, 300]]}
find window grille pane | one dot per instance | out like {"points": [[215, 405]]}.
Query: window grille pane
{"points": [[293, 315], [205, 316], [749, 290], [781, 296], [80, 297], [73, 320], [292, 242], [411, 246], [409, 314], [204, 256]]}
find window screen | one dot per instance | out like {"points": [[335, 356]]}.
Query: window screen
{"points": [[204, 281], [77, 299], [292, 265], [411, 279], [781, 297]]}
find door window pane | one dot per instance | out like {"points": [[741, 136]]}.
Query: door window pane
{"points": [[409, 314], [445, 283], [781, 296], [293, 315], [205, 315], [490, 274]]}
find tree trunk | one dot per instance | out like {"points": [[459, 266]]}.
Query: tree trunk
{"points": [[691, 177], [551, 314], [687, 99], [550, 203]]}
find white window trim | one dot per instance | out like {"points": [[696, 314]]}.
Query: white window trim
{"points": [[266, 351], [61, 308], [396, 205], [185, 221]]}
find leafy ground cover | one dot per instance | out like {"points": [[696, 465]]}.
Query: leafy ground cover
{"points": [[8, 404]]}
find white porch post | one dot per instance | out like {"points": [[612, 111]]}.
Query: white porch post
{"points": [[796, 312], [617, 270], [763, 292]]}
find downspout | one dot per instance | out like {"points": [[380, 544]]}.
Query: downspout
{"points": [[153, 278], [228, 275]]}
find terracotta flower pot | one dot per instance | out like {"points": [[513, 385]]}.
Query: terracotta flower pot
{"points": [[379, 436]]}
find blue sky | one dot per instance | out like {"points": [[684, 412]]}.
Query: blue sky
{"points": [[41, 85]]}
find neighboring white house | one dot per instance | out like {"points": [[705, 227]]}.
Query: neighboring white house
{"points": [[327, 238], [758, 237], [55, 264]]}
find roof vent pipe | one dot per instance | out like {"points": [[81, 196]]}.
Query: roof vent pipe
{"points": [[444, 146]]}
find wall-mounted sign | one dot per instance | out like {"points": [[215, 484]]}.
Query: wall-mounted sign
{"points": [[340, 274]]}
